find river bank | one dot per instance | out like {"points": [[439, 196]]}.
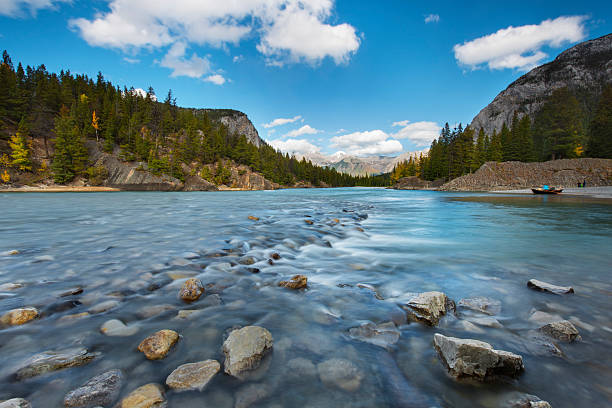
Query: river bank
{"points": [[594, 192]]}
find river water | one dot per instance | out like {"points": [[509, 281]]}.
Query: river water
{"points": [[137, 249]]}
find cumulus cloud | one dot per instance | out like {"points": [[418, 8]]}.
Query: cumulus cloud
{"points": [[175, 59], [304, 130], [216, 79], [287, 30], [420, 133], [17, 8], [295, 146], [432, 18], [281, 121], [368, 143], [520, 47]]}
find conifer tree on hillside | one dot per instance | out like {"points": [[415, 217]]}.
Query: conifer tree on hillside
{"points": [[600, 129], [70, 157]]}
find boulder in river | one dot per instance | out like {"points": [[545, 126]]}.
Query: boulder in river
{"points": [[548, 287], [296, 282], [340, 373], [476, 359], [481, 304], [48, 361], [191, 290], [147, 396], [244, 349], [157, 345], [427, 307], [16, 403], [19, 316], [193, 376], [102, 390], [116, 328], [562, 330]]}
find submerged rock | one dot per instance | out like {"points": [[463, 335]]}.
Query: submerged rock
{"points": [[486, 321], [244, 349], [150, 311], [104, 306], [193, 376], [301, 369], [296, 282], [102, 390], [250, 394], [48, 361], [476, 359], [10, 286], [147, 396], [525, 401], [191, 290], [548, 287], [382, 335], [370, 288], [562, 330], [481, 304], [116, 328], [340, 373], [427, 307], [19, 316], [157, 345], [16, 403]]}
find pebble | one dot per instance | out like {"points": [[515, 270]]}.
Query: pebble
{"points": [[17, 317], [158, 345], [296, 282], [193, 376], [382, 335], [191, 290], [72, 317], [116, 328], [102, 390], [104, 306], [147, 396], [253, 218]]}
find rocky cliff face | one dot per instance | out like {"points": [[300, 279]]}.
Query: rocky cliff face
{"points": [[566, 173], [584, 69], [237, 123]]}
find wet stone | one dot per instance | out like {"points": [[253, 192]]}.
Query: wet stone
{"points": [[116, 328], [296, 282], [309, 222], [300, 369], [525, 401], [10, 286], [562, 330], [427, 307], [548, 287], [481, 304], [15, 403], [104, 306], [48, 361], [151, 311], [147, 396], [193, 376], [191, 290], [370, 288], [486, 321], [17, 317], [251, 394], [102, 390], [158, 345], [253, 218], [244, 349], [72, 292], [276, 256], [340, 373], [382, 335]]}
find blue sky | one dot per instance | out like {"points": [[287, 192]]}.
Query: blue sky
{"points": [[362, 77]]}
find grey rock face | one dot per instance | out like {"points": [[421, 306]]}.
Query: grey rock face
{"points": [[562, 330], [244, 349], [48, 361], [476, 359], [239, 124], [101, 390], [584, 67], [549, 287], [15, 403], [193, 376]]}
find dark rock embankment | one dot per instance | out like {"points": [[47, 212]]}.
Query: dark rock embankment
{"points": [[566, 173], [415, 183]]}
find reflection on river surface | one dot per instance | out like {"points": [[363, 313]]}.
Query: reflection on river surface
{"points": [[136, 249]]}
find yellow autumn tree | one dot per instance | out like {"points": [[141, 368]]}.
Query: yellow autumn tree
{"points": [[20, 152], [95, 123], [5, 177]]}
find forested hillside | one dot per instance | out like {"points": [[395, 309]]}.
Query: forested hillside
{"points": [[46, 119]]}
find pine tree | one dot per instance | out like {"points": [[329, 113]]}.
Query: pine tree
{"points": [[70, 156], [495, 152], [600, 128]]}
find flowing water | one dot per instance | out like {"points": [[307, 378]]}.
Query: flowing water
{"points": [[137, 249]]}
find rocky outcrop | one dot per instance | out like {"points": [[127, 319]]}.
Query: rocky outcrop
{"points": [[415, 183], [584, 69], [566, 173], [237, 123], [196, 183]]}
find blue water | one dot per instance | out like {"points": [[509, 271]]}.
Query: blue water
{"points": [[129, 247]]}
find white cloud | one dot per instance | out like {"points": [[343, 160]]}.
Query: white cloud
{"points": [[238, 58], [520, 47], [281, 121], [420, 133], [374, 142], [304, 130], [130, 60], [295, 146], [216, 79], [288, 31], [432, 18], [16, 8], [194, 67]]}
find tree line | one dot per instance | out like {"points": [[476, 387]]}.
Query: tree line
{"points": [[65, 110]]}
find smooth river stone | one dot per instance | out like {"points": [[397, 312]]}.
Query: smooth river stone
{"points": [[191, 290], [193, 376], [244, 348], [10, 286], [147, 396], [548, 287], [340, 373], [116, 328], [19, 316], [102, 390], [476, 359], [16, 403], [104, 306], [48, 361], [157, 345]]}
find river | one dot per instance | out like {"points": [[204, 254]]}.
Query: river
{"points": [[137, 248]]}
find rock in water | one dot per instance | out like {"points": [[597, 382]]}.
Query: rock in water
{"points": [[48, 361], [481, 304], [253, 218], [19, 316], [117, 328], [427, 307], [191, 290], [562, 330], [193, 376], [147, 396], [476, 359], [15, 403], [244, 349], [297, 282], [550, 288], [157, 345], [383, 335], [525, 401], [340, 373], [250, 394], [101, 390]]}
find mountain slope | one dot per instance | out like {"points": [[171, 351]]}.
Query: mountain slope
{"points": [[584, 69]]}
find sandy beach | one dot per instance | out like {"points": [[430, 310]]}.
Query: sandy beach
{"points": [[58, 189]]}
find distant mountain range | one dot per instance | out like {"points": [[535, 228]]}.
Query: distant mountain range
{"points": [[358, 166]]}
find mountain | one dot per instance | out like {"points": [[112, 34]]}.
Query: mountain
{"points": [[359, 166], [236, 123], [584, 69]]}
